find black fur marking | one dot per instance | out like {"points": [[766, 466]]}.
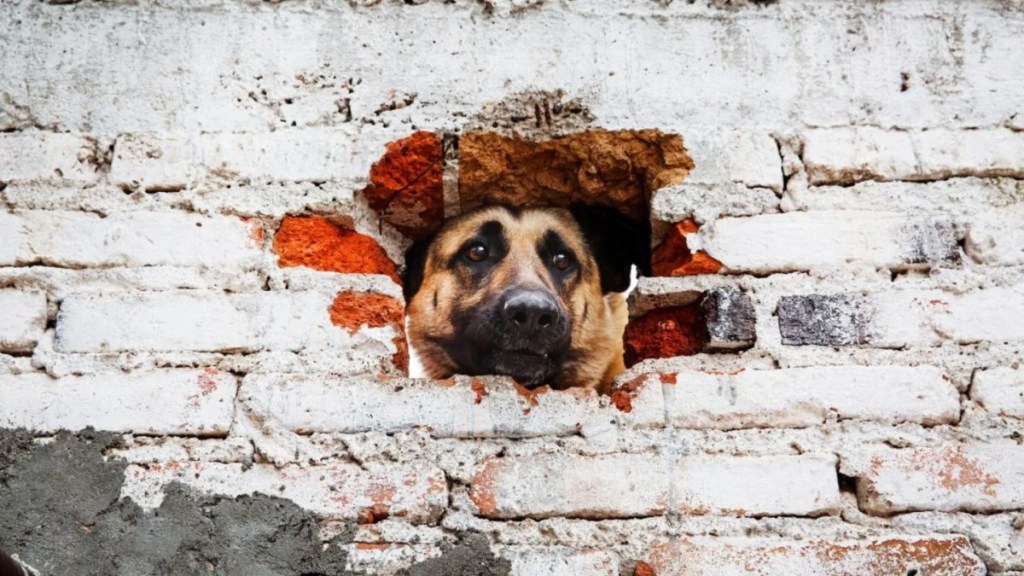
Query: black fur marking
{"points": [[616, 243], [551, 244], [415, 265]]}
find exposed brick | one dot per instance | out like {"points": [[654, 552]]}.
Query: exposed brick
{"points": [[405, 184], [338, 491], [730, 317], [316, 243], [797, 397], [152, 163], [666, 332], [996, 239], [48, 156], [203, 321], [619, 167], [193, 402], [22, 320], [673, 256], [804, 485], [847, 155], [462, 407], [628, 485], [891, 555], [1000, 391], [809, 240], [562, 562], [824, 319], [971, 477], [79, 239]]}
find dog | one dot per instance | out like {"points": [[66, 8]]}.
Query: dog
{"points": [[531, 293]]}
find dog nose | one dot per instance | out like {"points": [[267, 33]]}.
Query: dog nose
{"points": [[531, 311]]}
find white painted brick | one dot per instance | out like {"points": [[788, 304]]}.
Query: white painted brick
{"points": [[959, 196], [804, 485], [627, 485], [561, 562], [417, 493], [806, 396], [623, 485], [808, 240], [988, 315], [997, 239], [704, 203], [10, 238], [152, 163], [744, 156], [847, 155], [194, 402], [207, 321], [66, 158], [970, 477], [758, 556], [461, 407], [1000, 390], [311, 154], [138, 239], [22, 320]]}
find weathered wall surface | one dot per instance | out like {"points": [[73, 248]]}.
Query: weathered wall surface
{"points": [[202, 208]]}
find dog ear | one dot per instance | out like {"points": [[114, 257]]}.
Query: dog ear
{"points": [[415, 267], [616, 242]]}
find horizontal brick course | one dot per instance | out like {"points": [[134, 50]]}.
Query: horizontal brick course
{"points": [[629, 485], [900, 318], [799, 397], [22, 320], [971, 477], [460, 407], [193, 402], [48, 156], [809, 240], [888, 555], [562, 562], [152, 163], [847, 155], [200, 321], [1000, 390], [79, 239], [996, 239], [340, 491]]}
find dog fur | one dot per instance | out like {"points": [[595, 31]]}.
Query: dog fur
{"points": [[455, 304]]}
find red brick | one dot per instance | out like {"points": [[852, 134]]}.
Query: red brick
{"points": [[405, 184], [316, 243], [666, 332], [673, 256]]}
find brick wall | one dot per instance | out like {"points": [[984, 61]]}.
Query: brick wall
{"points": [[203, 206]]}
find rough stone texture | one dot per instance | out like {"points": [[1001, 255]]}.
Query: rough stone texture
{"points": [[824, 319], [617, 168], [405, 185], [895, 554], [731, 319], [22, 320], [997, 238]]}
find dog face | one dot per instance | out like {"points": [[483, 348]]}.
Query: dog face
{"points": [[531, 294]]}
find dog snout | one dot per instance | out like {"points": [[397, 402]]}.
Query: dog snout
{"points": [[532, 313]]}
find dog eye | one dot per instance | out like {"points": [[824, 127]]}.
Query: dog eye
{"points": [[561, 261], [477, 253]]}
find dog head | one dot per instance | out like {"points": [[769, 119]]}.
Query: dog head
{"points": [[527, 293]]}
